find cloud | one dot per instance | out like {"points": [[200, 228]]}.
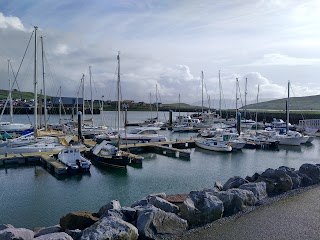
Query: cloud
{"points": [[284, 60], [11, 22]]}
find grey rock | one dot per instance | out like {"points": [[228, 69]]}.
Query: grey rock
{"points": [[4, 226], [234, 182], [305, 180], [11, 233], [201, 207], [278, 181], [110, 228], [259, 189], [103, 211], [286, 169], [253, 178], [155, 223], [55, 236], [47, 230], [218, 185], [312, 171], [141, 202], [163, 204], [235, 200], [75, 234]]}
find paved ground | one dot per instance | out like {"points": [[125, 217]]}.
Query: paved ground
{"points": [[293, 217]]}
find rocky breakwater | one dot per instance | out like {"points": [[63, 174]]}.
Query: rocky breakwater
{"points": [[158, 216]]}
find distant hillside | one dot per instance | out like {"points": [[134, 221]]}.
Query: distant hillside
{"points": [[16, 94], [296, 103]]}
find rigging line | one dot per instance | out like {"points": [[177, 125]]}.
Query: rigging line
{"points": [[25, 52]]}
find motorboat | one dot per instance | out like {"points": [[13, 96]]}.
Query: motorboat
{"points": [[213, 144], [105, 154], [74, 161], [139, 134]]}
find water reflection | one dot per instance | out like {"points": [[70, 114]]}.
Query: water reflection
{"points": [[119, 172], [290, 148]]}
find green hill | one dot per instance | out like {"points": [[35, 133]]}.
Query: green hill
{"points": [[16, 94], [296, 103]]}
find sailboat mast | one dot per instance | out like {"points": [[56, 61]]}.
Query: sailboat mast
{"points": [[35, 80], [44, 88], [202, 91], [157, 107], [118, 93], [91, 94], [245, 100], [10, 94], [288, 106], [257, 108], [60, 103], [179, 106], [237, 82], [220, 95], [83, 98]]}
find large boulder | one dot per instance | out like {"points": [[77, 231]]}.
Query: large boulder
{"points": [[42, 231], [278, 181], [78, 220], [312, 171], [103, 211], [259, 189], [235, 200], [16, 233], [201, 207], [55, 236], [234, 182], [75, 234], [110, 228], [153, 222], [127, 214], [163, 204]]}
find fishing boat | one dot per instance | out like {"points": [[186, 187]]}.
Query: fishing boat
{"points": [[213, 144], [104, 153], [73, 160]]}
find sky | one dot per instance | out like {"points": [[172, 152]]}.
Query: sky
{"points": [[165, 45]]}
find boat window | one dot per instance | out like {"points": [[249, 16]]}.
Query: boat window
{"points": [[65, 151], [215, 143]]}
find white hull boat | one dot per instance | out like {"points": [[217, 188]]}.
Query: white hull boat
{"points": [[213, 145]]}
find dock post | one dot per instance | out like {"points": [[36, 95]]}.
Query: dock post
{"points": [[170, 118]]}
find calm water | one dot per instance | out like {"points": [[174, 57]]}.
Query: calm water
{"points": [[31, 197]]}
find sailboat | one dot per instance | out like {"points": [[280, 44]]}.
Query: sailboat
{"points": [[105, 154], [10, 127]]}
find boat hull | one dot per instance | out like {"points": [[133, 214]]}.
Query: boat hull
{"points": [[212, 147]]}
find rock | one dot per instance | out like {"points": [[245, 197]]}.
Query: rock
{"points": [[110, 228], [103, 211], [218, 185], [16, 233], [78, 220], [55, 236], [235, 200], [312, 171], [47, 230], [278, 181], [253, 178], [286, 169], [161, 195], [305, 180], [201, 207], [155, 222], [4, 226], [163, 204], [75, 234], [259, 189], [142, 202], [234, 182], [129, 213]]}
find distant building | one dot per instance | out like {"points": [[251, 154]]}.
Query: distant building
{"points": [[66, 101]]}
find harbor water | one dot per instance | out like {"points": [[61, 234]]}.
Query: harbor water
{"points": [[32, 197]]}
